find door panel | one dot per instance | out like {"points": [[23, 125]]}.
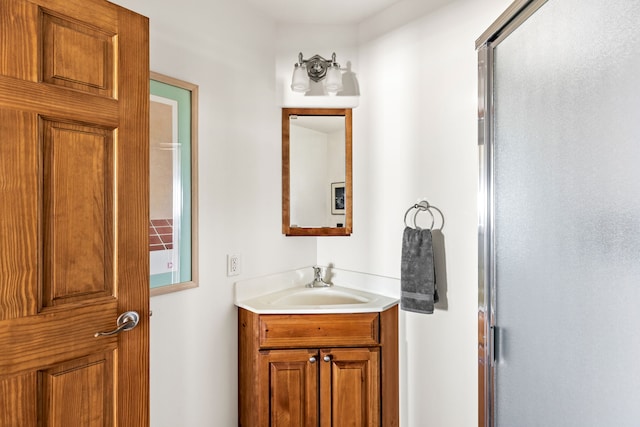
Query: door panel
{"points": [[293, 387], [565, 216], [93, 50], [78, 212], [349, 384], [74, 99], [78, 393]]}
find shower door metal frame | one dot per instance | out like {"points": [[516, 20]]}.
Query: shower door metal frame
{"points": [[517, 13]]}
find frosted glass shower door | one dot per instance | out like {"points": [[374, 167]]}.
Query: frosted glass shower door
{"points": [[564, 207]]}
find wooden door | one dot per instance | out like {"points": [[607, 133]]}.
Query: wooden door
{"points": [[349, 387], [291, 383], [74, 99]]}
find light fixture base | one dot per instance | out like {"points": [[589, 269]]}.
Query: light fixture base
{"points": [[317, 67]]}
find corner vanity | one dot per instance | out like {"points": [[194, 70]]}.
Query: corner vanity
{"points": [[318, 357]]}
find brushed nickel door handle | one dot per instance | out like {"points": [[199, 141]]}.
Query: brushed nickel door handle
{"points": [[126, 321]]}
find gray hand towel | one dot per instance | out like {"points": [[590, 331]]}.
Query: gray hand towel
{"points": [[417, 272]]}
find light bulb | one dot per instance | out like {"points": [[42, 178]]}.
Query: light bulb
{"points": [[300, 79], [333, 80]]}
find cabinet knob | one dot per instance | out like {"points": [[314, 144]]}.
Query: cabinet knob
{"points": [[312, 359], [327, 358]]}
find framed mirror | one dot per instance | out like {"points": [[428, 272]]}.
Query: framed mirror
{"points": [[316, 172]]}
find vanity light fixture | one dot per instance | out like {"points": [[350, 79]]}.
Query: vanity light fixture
{"points": [[317, 68]]}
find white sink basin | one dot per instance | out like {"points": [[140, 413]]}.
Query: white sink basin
{"points": [[303, 300], [319, 296]]}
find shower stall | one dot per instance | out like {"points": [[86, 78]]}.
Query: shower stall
{"points": [[559, 223]]}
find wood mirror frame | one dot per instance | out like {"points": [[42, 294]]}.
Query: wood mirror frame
{"points": [[287, 228]]}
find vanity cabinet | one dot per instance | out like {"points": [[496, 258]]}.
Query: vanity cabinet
{"points": [[320, 370]]}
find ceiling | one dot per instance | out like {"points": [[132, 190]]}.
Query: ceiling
{"points": [[322, 11]]}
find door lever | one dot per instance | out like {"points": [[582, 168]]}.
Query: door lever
{"points": [[126, 321]]}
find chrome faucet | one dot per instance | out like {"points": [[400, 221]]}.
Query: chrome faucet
{"points": [[318, 281]]}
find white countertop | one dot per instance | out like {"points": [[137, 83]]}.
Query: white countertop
{"points": [[286, 293]]}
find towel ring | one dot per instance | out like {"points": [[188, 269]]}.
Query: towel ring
{"points": [[420, 207], [439, 213]]}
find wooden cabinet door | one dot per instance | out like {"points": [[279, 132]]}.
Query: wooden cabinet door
{"points": [[290, 379], [74, 114], [349, 387]]}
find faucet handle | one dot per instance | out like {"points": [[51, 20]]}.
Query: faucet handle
{"points": [[318, 280]]}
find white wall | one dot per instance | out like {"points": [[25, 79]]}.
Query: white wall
{"points": [[229, 52], [337, 172], [414, 136]]}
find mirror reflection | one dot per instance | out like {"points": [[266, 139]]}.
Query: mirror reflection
{"points": [[316, 171]]}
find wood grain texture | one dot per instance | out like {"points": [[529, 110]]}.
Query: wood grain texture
{"points": [[292, 392], [71, 105], [78, 393], [133, 216], [318, 330], [390, 368], [348, 183], [20, 61], [101, 14], [286, 173], [19, 182], [317, 231], [56, 335], [253, 391], [18, 400], [350, 387]]}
